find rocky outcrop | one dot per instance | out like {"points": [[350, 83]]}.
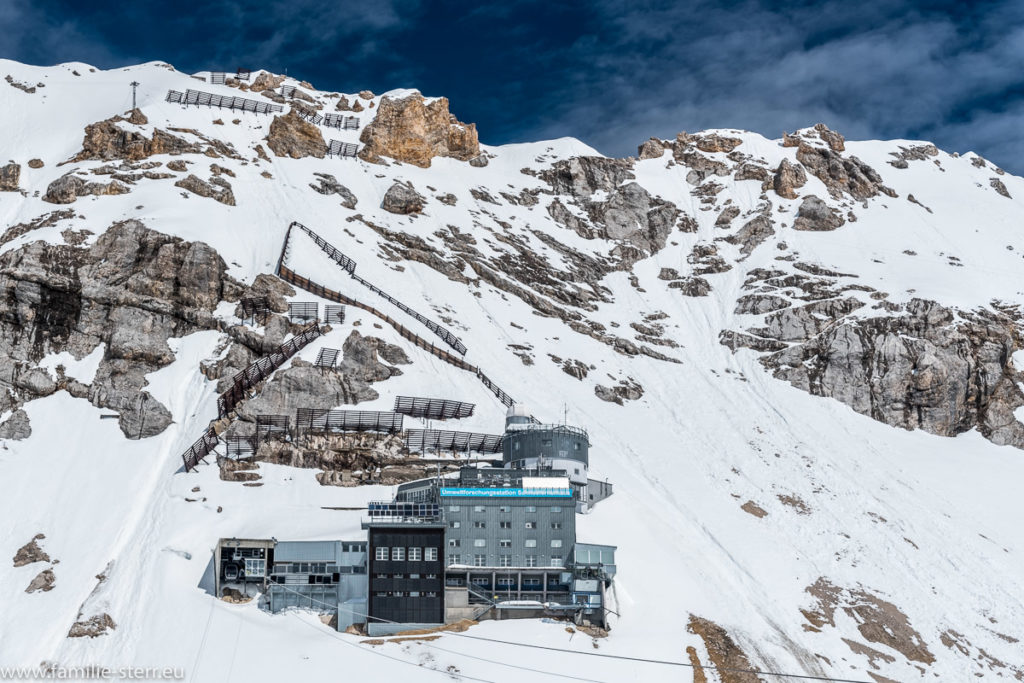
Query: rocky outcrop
{"points": [[651, 149], [789, 177], [922, 368], [10, 177], [266, 81], [292, 136], [625, 390], [130, 291], [92, 627], [16, 427], [414, 130], [31, 552], [69, 187], [402, 199], [107, 140], [44, 582], [217, 189], [815, 214], [841, 175], [328, 184]]}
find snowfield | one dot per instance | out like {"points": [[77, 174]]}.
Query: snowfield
{"points": [[929, 524]]}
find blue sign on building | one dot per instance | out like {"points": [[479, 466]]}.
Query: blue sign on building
{"points": [[508, 492]]}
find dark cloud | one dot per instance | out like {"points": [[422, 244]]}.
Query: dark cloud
{"points": [[609, 72]]}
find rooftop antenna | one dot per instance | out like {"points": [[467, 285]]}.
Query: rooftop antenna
{"points": [[134, 84]]}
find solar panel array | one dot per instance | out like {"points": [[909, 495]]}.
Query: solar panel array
{"points": [[319, 421], [341, 121], [303, 310], [337, 148], [432, 408], [433, 441], [206, 99]]}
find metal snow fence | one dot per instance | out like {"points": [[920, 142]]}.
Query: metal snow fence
{"points": [[239, 446], [243, 74], [203, 446], [434, 441], [334, 314], [322, 421], [495, 389], [341, 122], [327, 358], [303, 311], [308, 115], [271, 426], [217, 77], [337, 148], [344, 261], [205, 99], [433, 408], [255, 306]]}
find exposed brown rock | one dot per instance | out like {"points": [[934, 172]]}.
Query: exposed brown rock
{"points": [[731, 661], [411, 130], [366, 94], [177, 165], [835, 141], [788, 178], [107, 140], [44, 581], [265, 81], [291, 136], [217, 189], [31, 552], [999, 187], [651, 149], [10, 176], [753, 508], [841, 174], [626, 390], [92, 627], [35, 163]]}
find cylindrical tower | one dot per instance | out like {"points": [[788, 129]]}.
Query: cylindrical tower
{"points": [[528, 444]]}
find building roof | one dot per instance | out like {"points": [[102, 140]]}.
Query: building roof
{"points": [[308, 551]]}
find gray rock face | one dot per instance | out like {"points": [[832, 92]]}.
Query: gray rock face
{"points": [[633, 217], [403, 199], [31, 552], [651, 149], [815, 214], [16, 427], [68, 188], [131, 291], [920, 369], [305, 386], [583, 176], [10, 177], [625, 390], [330, 185], [44, 582]]}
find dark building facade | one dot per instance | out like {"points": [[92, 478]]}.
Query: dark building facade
{"points": [[406, 566]]}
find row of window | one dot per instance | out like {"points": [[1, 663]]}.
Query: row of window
{"points": [[405, 594], [502, 543], [455, 524], [503, 560], [555, 509], [313, 568], [399, 553], [402, 576]]}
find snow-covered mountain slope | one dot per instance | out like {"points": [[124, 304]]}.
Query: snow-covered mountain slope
{"points": [[813, 428]]}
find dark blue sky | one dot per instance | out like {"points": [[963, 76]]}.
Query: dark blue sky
{"points": [[610, 73]]}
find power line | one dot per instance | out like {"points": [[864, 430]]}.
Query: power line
{"points": [[644, 660]]}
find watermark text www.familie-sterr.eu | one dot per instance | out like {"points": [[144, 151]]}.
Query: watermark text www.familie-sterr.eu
{"points": [[92, 673]]}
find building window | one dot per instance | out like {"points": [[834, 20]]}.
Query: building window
{"points": [[531, 508], [454, 559], [531, 525], [454, 508], [480, 581], [555, 509], [556, 525], [531, 543], [381, 576], [414, 576], [504, 560], [430, 594], [479, 542], [505, 508], [506, 583], [556, 543], [576, 446], [531, 560], [454, 525], [545, 442], [397, 554], [479, 560], [430, 554], [415, 554], [479, 525], [556, 560], [531, 583], [479, 508], [577, 470], [506, 525], [454, 543], [382, 554], [255, 567], [398, 576], [414, 594], [505, 543]]}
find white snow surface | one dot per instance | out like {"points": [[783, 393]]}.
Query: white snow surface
{"points": [[928, 523]]}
